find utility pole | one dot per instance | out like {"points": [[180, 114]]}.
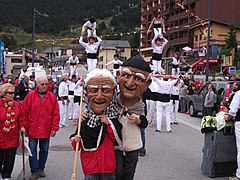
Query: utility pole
{"points": [[208, 39]]}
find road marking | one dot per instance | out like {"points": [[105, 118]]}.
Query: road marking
{"points": [[189, 124]]}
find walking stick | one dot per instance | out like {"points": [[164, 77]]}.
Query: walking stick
{"points": [[23, 149], [77, 145]]}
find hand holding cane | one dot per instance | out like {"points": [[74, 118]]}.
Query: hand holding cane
{"points": [[77, 144]]}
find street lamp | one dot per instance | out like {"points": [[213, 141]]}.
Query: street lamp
{"points": [[208, 39], [35, 13]]}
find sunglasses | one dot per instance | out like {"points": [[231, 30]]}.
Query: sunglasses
{"points": [[11, 93], [44, 84]]}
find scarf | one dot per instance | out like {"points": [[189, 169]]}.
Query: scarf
{"points": [[137, 108], [10, 116], [93, 119]]}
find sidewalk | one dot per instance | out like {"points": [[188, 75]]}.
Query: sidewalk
{"points": [[60, 158]]}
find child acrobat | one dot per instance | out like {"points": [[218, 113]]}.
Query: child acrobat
{"points": [[158, 44], [158, 26], [90, 26]]}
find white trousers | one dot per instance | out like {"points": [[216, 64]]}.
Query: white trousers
{"points": [[163, 107], [76, 111], [175, 72], [115, 72], [71, 106], [91, 33], [157, 33], [174, 110], [157, 66], [72, 68], [237, 133], [91, 63], [63, 112], [151, 110]]}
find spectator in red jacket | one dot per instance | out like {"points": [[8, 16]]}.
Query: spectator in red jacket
{"points": [[41, 107], [101, 128], [12, 120]]}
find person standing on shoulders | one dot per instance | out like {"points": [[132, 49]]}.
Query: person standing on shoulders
{"points": [[91, 49], [158, 45], [41, 108]]}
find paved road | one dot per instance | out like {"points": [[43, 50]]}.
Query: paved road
{"points": [[170, 156]]}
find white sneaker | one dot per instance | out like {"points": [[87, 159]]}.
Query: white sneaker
{"points": [[64, 124]]}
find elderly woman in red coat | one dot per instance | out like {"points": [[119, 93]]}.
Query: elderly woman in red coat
{"points": [[12, 120]]}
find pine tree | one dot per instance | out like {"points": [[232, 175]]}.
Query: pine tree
{"points": [[231, 42]]}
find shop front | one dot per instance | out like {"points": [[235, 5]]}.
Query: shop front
{"points": [[199, 67]]}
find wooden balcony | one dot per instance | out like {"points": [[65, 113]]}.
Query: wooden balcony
{"points": [[178, 16], [184, 40]]}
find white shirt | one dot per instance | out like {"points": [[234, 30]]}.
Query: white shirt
{"points": [[71, 60], [90, 48], [114, 62], [235, 104], [165, 87], [63, 89], [159, 49], [78, 89], [175, 61], [21, 76], [153, 86], [90, 25], [71, 85]]}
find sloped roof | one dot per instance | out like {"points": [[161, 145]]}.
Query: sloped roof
{"points": [[115, 44], [50, 49]]}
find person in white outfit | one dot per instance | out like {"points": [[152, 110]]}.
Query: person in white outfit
{"points": [[235, 112], [71, 87], [176, 64], [158, 44], [91, 49], [63, 100], [90, 26], [73, 64], [163, 100], [158, 25], [77, 98], [116, 64], [151, 104], [174, 101]]}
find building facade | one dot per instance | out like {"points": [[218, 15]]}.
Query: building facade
{"points": [[186, 21], [109, 48]]}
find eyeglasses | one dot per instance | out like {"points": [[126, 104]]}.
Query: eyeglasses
{"points": [[44, 84], [11, 93]]}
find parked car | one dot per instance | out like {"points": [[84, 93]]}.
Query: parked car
{"points": [[223, 90]]}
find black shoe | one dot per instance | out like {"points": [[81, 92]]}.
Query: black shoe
{"points": [[169, 131], [142, 154], [171, 123], [157, 130], [175, 123]]}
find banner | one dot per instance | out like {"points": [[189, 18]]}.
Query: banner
{"points": [[2, 57]]}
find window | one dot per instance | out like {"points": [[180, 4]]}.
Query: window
{"points": [[196, 38], [200, 37], [15, 60]]}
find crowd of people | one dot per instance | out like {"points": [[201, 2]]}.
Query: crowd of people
{"points": [[117, 108]]}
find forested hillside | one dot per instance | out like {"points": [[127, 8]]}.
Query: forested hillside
{"points": [[64, 14]]}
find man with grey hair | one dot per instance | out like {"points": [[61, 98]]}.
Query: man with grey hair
{"points": [[41, 109]]}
